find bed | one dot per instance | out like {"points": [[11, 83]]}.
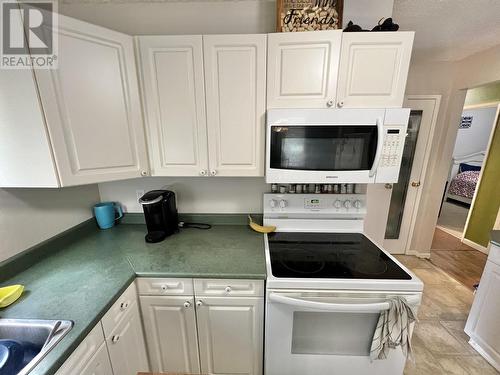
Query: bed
{"points": [[464, 176]]}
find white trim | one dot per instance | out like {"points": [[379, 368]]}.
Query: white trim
{"points": [[428, 147], [486, 155], [482, 105], [475, 246], [418, 254], [484, 353]]}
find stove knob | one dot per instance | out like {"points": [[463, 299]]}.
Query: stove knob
{"points": [[357, 204], [283, 203], [337, 204], [347, 204], [273, 203]]}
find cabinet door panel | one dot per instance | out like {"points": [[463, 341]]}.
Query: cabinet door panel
{"points": [[302, 69], [374, 69], [173, 87], [171, 336], [98, 365], [235, 76], [231, 335], [126, 346], [92, 105]]}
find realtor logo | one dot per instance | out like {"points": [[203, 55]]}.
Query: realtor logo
{"points": [[28, 39]]}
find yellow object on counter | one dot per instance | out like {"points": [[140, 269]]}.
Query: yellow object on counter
{"points": [[10, 294], [260, 228]]}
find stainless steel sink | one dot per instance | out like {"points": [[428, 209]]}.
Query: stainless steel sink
{"points": [[43, 334]]}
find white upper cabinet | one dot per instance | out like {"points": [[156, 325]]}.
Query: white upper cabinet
{"points": [[174, 103], [302, 69], [92, 107], [235, 78], [373, 69]]}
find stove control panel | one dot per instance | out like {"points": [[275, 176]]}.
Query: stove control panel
{"points": [[320, 203]]}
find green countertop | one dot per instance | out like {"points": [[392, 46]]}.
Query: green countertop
{"points": [[80, 280]]}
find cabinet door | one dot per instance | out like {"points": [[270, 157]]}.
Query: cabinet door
{"points": [[98, 365], [174, 102], [126, 346], [374, 69], [92, 105], [302, 69], [170, 328], [231, 335], [235, 76]]}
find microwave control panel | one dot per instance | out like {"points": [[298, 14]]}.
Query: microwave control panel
{"points": [[391, 148]]}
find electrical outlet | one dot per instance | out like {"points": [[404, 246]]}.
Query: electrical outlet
{"points": [[139, 194]]}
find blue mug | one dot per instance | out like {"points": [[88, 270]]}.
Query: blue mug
{"points": [[106, 213]]}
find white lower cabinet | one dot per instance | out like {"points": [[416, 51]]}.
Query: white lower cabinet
{"points": [[170, 324], [230, 334]]}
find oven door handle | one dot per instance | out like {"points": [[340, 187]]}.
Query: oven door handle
{"points": [[380, 141], [338, 307]]}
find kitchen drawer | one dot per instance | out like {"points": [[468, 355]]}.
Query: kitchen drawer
{"points": [[164, 287], [118, 310], [228, 287]]}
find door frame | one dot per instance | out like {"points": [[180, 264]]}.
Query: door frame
{"points": [[428, 148], [464, 240]]}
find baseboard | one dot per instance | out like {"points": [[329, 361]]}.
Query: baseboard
{"points": [[476, 246], [418, 254]]}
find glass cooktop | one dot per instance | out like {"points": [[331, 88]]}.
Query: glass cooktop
{"points": [[330, 255]]}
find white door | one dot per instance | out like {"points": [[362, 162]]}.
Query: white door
{"points": [[399, 202], [170, 329], [171, 70], [231, 335], [126, 346], [373, 69], [99, 364], [91, 103], [235, 77], [302, 69]]}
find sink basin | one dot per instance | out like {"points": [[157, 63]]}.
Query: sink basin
{"points": [[42, 335]]}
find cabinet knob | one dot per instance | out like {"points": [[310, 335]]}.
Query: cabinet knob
{"points": [[329, 103], [228, 289], [124, 305], [213, 172], [415, 184], [199, 303], [115, 338], [388, 186], [203, 172], [144, 173], [187, 304], [340, 104]]}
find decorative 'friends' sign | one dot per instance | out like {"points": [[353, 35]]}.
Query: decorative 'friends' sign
{"points": [[309, 15]]}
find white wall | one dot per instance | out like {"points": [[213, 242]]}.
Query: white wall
{"points": [[205, 16], [475, 138], [194, 194], [30, 216]]}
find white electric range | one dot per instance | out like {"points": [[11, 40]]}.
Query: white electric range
{"points": [[327, 283]]}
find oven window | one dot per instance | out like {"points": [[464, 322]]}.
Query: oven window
{"points": [[333, 333], [323, 148]]}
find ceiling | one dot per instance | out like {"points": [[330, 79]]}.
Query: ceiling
{"points": [[449, 30]]}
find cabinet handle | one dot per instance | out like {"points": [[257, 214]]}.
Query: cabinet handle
{"points": [[340, 104], [228, 289], [213, 172], [329, 103], [124, 306], [388, 186], [115, 339], [199, 303], [187, 304], [203, 172], [144, 173]]}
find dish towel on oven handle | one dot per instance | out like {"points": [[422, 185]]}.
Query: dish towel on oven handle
{"points": [[393, 329]]}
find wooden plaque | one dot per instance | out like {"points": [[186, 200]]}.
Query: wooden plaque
{"points": [[308, 15]]}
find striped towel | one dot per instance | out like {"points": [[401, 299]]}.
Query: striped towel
{"points": [[393, 329]]}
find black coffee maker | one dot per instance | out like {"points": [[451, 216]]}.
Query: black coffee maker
{"points": [[160, 212]]}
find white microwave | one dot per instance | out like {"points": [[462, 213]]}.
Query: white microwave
{"points": [[335, 145]]}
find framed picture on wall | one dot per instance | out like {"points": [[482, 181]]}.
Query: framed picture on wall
{"points": [[308, 15]]}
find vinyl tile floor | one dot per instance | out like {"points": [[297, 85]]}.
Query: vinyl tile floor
{"points": [[440, 345]]}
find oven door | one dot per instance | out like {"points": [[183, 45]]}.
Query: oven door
{"points": [[326, 333]]}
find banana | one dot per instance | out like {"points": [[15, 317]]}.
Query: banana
{"points": [[260, 228]]}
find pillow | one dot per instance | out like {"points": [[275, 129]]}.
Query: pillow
{"points": [[463, 167]]}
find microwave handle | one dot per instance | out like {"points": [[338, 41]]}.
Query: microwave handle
{"points": [[338, 307], [380, 142]]}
